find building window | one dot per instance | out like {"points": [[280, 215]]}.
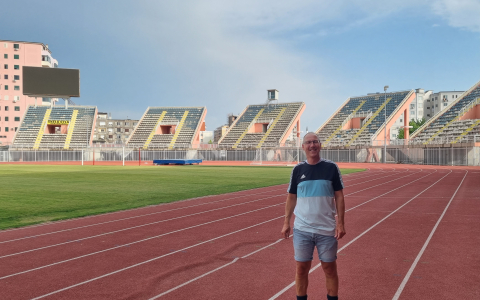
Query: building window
{"points": [[16, 98], [102, 123], [16, 56], [110, 123], [119, 129], [6, 119], [6, 108], [5, 76], [6, 87], [17, 119], [436, 105], [16, 87], [127, 124], [5, 56], [17, 108], [15, 46], [16, 128], [6, 97], [127, 130], [16, 67], [6, 129], [412, 105], [119, 123], [110, 136], [5, 66], [445, 104], [16, 77]]}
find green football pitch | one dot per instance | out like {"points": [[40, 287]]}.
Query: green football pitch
{"points": [[32, 194]]}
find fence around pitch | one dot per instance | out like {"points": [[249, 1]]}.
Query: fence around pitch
{"points": [[452, 156]]}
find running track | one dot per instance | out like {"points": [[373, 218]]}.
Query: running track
{"points": [[412, 233]]}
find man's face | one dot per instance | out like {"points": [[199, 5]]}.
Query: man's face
{"points": [[311, 146]]}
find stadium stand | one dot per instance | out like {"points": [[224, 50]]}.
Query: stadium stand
{"points": [[459, 122], [46, 127], [362, 119], [169, 127], [263, 126]]}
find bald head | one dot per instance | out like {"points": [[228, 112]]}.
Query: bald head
{"points": [[309, 134]]}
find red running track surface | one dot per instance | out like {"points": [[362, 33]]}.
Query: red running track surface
{"points": [[412, 233]]}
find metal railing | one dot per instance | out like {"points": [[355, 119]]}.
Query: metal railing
{"points": [[451, 156]]}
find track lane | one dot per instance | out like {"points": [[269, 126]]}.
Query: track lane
{"points": [[448, 269]]}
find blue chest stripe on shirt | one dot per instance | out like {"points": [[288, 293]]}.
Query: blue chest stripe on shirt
{"points": [[315, 188]]}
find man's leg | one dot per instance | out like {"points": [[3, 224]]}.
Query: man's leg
{"points": [[301, 277], [331, 277], [303, 245]]}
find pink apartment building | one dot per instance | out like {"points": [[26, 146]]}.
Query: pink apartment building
{"points": [[13, 104]]}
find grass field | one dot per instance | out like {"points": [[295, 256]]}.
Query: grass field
{"points": [[32, 194]]}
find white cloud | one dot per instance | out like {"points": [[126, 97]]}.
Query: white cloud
{"points": [[459, 13], [232, 51]]}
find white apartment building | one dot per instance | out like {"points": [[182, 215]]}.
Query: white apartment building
{"points": [[417, 111], [439, 101]]}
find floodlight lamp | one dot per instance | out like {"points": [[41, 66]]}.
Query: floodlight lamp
{"points": [[385, 88]]}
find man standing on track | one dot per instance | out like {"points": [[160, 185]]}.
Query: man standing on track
{"points": [[315, 195]]}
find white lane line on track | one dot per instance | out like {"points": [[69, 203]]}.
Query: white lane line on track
{"points": [[400, 173], [129, 218], [359, 236], [412, 267], [387, 192], [149, 214], [258, 250], [153, 259], [383, 183], [138, 226], [139, 241], [213, 271]]}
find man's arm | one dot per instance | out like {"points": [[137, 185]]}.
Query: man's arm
{"points": [[289, 207], [340, 203]]}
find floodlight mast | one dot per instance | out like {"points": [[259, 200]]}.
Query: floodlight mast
{"points": [[385, 128]]}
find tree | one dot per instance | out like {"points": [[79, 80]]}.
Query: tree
{"points": [[415, 125]]}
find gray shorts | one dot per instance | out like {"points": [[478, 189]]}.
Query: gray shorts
{"points": [[305, 242]]}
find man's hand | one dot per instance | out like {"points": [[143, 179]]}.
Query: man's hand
{"points": [[286, 230], [339, 231]]}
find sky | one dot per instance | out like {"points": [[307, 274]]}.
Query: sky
{"points": [[226, 54]]}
